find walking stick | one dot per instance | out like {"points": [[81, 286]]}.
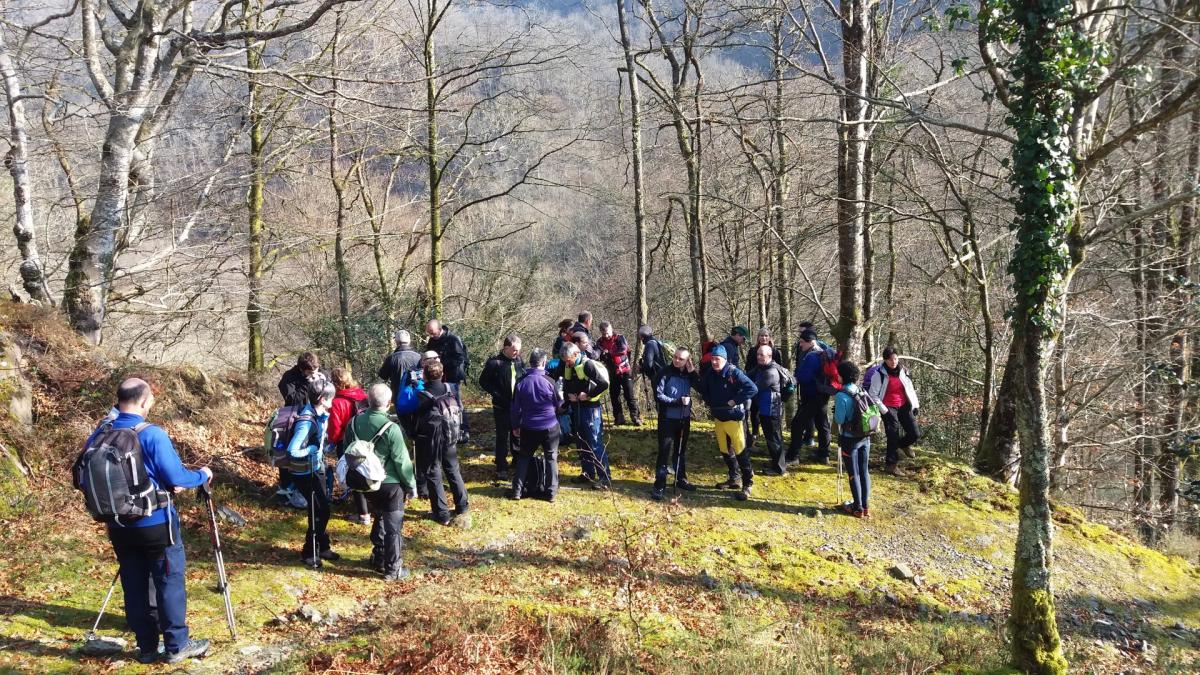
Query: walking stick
{"points": [[91, 634], [222, 580]]}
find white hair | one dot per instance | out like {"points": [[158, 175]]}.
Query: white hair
{"points": [[379, 396]]}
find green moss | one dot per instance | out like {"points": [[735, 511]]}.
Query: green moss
{"points": [[1036, 647]]}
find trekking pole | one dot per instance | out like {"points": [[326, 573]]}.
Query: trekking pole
{"points": [[839, 477], [91, 634], [681, 446], [218, 554]]}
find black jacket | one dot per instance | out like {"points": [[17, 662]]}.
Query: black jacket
{"points": [[595, 384], [653, 362], [294, 386], [452, 353], [397, 364], [498, 378]]}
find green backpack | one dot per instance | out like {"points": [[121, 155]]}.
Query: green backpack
{"points": [[866, 418]]}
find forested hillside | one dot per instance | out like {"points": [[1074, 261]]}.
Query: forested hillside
{"points": [[1005, 191]]}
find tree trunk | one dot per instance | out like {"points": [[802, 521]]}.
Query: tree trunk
{"points": [[999, 452], [852, 177], [33, 277], [255, 360], [641, 305], [339, 193], [435, 299]]}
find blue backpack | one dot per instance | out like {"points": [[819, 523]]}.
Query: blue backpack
{"points": [[406, 398]]}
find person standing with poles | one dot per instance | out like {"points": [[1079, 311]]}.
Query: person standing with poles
{"points": [[307, 460], [147, 546], [584, 383], [673, 393]]}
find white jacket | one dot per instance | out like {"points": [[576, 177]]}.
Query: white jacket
{"points": [[877, 387]]}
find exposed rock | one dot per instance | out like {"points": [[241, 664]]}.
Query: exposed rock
{"points": [[103, 645], [310, 613], [230, 516], [619, 562], [706, 580], [902, 572]]}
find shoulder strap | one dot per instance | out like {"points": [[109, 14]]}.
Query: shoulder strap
{"points": [[382, 430]]}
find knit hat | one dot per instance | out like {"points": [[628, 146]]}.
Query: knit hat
{"points": [[808, 335], [741, 330], [719, 351]]}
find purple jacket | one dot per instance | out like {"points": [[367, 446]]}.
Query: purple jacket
{"points": [[535, 402]]}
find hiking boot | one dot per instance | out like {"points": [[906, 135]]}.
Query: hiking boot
{"points": [[580, 479], [398, 574], [550, 498], [743, 494], [910, 452], [637, 422], [753, 440], [866, 513], [894, 470], [464, 437], [729, 484], [442, 520], [602, 486], [685, 486], [149, 657], [657, 494], [619, 423], [193, 649], [848, 509], [360, 519], [817, 459], [670, 471], [773, 472], [329, 554], [513, 495]]}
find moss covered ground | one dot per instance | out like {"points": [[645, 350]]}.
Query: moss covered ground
{"points": [[595, 582]]}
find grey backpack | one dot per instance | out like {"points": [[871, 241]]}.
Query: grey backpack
{"points": [[111, 473]]}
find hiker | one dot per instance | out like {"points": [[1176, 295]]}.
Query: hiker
{"points": [[564, 335], [614, 354], [812, 413], [150, 549], [654, 360], [533, 417], [348, 401], [499, 379], [437, 438], [584, 384], [294, 386], [306, 450], [855, 450], [673, 393], [397, 488], [402, 369], [583, 340], [892, 385], [584, 324], [763, 338], [733, 343], [772, 380], [727, 392], [453, 355]]}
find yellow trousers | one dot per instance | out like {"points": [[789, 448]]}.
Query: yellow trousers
{"points": [[731, 438]]}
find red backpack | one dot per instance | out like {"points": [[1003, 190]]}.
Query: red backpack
{"points": [[706, 352], [829, 370]]}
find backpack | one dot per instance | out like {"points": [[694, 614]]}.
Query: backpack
{"points": [[787, 382], [359, 467], [830, 359], [706, 351], [666, 352], [279, 435], [866, 381], [407, 398], [866, 418], [445, 417], [111, 473]]}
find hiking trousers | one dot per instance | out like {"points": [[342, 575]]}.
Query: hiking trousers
{"points": [[505, 442], [622, 387], [441, 461], [772, 431], [589, 432], [902, 431], [673, 437], [155, 554], [812, 412], [387, 544], [531, 440], [312, 486], [855, 453]]}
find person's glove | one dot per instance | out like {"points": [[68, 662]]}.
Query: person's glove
{"points": [[208, 474]]}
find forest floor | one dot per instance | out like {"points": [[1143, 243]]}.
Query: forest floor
{"points": [[595, 582]]}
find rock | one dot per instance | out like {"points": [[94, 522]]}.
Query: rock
{"points": [[747, 589], [918, 581], [13, 384], [332, 618], [1179, 625], [249, 650], [891, 598], [230, 516], [310, 613], [763, 546], [103, 645], [1105, 629], [706, 580], [902, 572], [619, 562], [719, 551], [577, 533]]}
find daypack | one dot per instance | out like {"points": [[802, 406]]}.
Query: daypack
{"points": [[867, 416], [444, 418], [279, 435], [833, 381], [111, 473], [706, 351], [359, 467], [787, 383], [866, 381], [407, 398]]}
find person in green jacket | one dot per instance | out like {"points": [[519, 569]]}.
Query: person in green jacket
{"points": [[400, 485]]}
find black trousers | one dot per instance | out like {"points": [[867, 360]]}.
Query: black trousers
{"points": [[387, 544], [505, 443], [772, 431], [622, 386], [441, 459], [531, 440], [408, 424], [672, 450], [899, 420], [312, 486], [812, 413]]}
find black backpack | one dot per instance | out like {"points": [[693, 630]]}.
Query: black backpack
{"points": [[444, 419], [111, 473]]}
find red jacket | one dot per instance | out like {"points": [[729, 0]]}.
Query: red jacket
{"points": [[614, 351], [346, 405]]}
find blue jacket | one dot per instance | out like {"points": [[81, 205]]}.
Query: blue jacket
{"points": [[673, 385], [808, 373], [719, 388], [308, 439], [163, 465], [843, 407]]}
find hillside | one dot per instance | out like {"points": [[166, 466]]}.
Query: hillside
{"points": [[595, 582]]}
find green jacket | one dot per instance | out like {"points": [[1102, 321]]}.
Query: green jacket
{"points": [[390, 447]]}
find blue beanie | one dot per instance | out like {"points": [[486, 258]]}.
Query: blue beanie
{"points": [[719, 350]]}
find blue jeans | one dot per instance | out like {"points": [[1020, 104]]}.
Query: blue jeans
{"points": [[855, 453], [146, 553], [590, 433]]}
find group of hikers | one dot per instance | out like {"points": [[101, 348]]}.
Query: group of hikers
{"points": [[538, 403]]}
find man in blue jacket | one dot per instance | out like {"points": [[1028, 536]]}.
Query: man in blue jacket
{"points": [[813, 410], [673, 393], [152, 547], [727, 392]]}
